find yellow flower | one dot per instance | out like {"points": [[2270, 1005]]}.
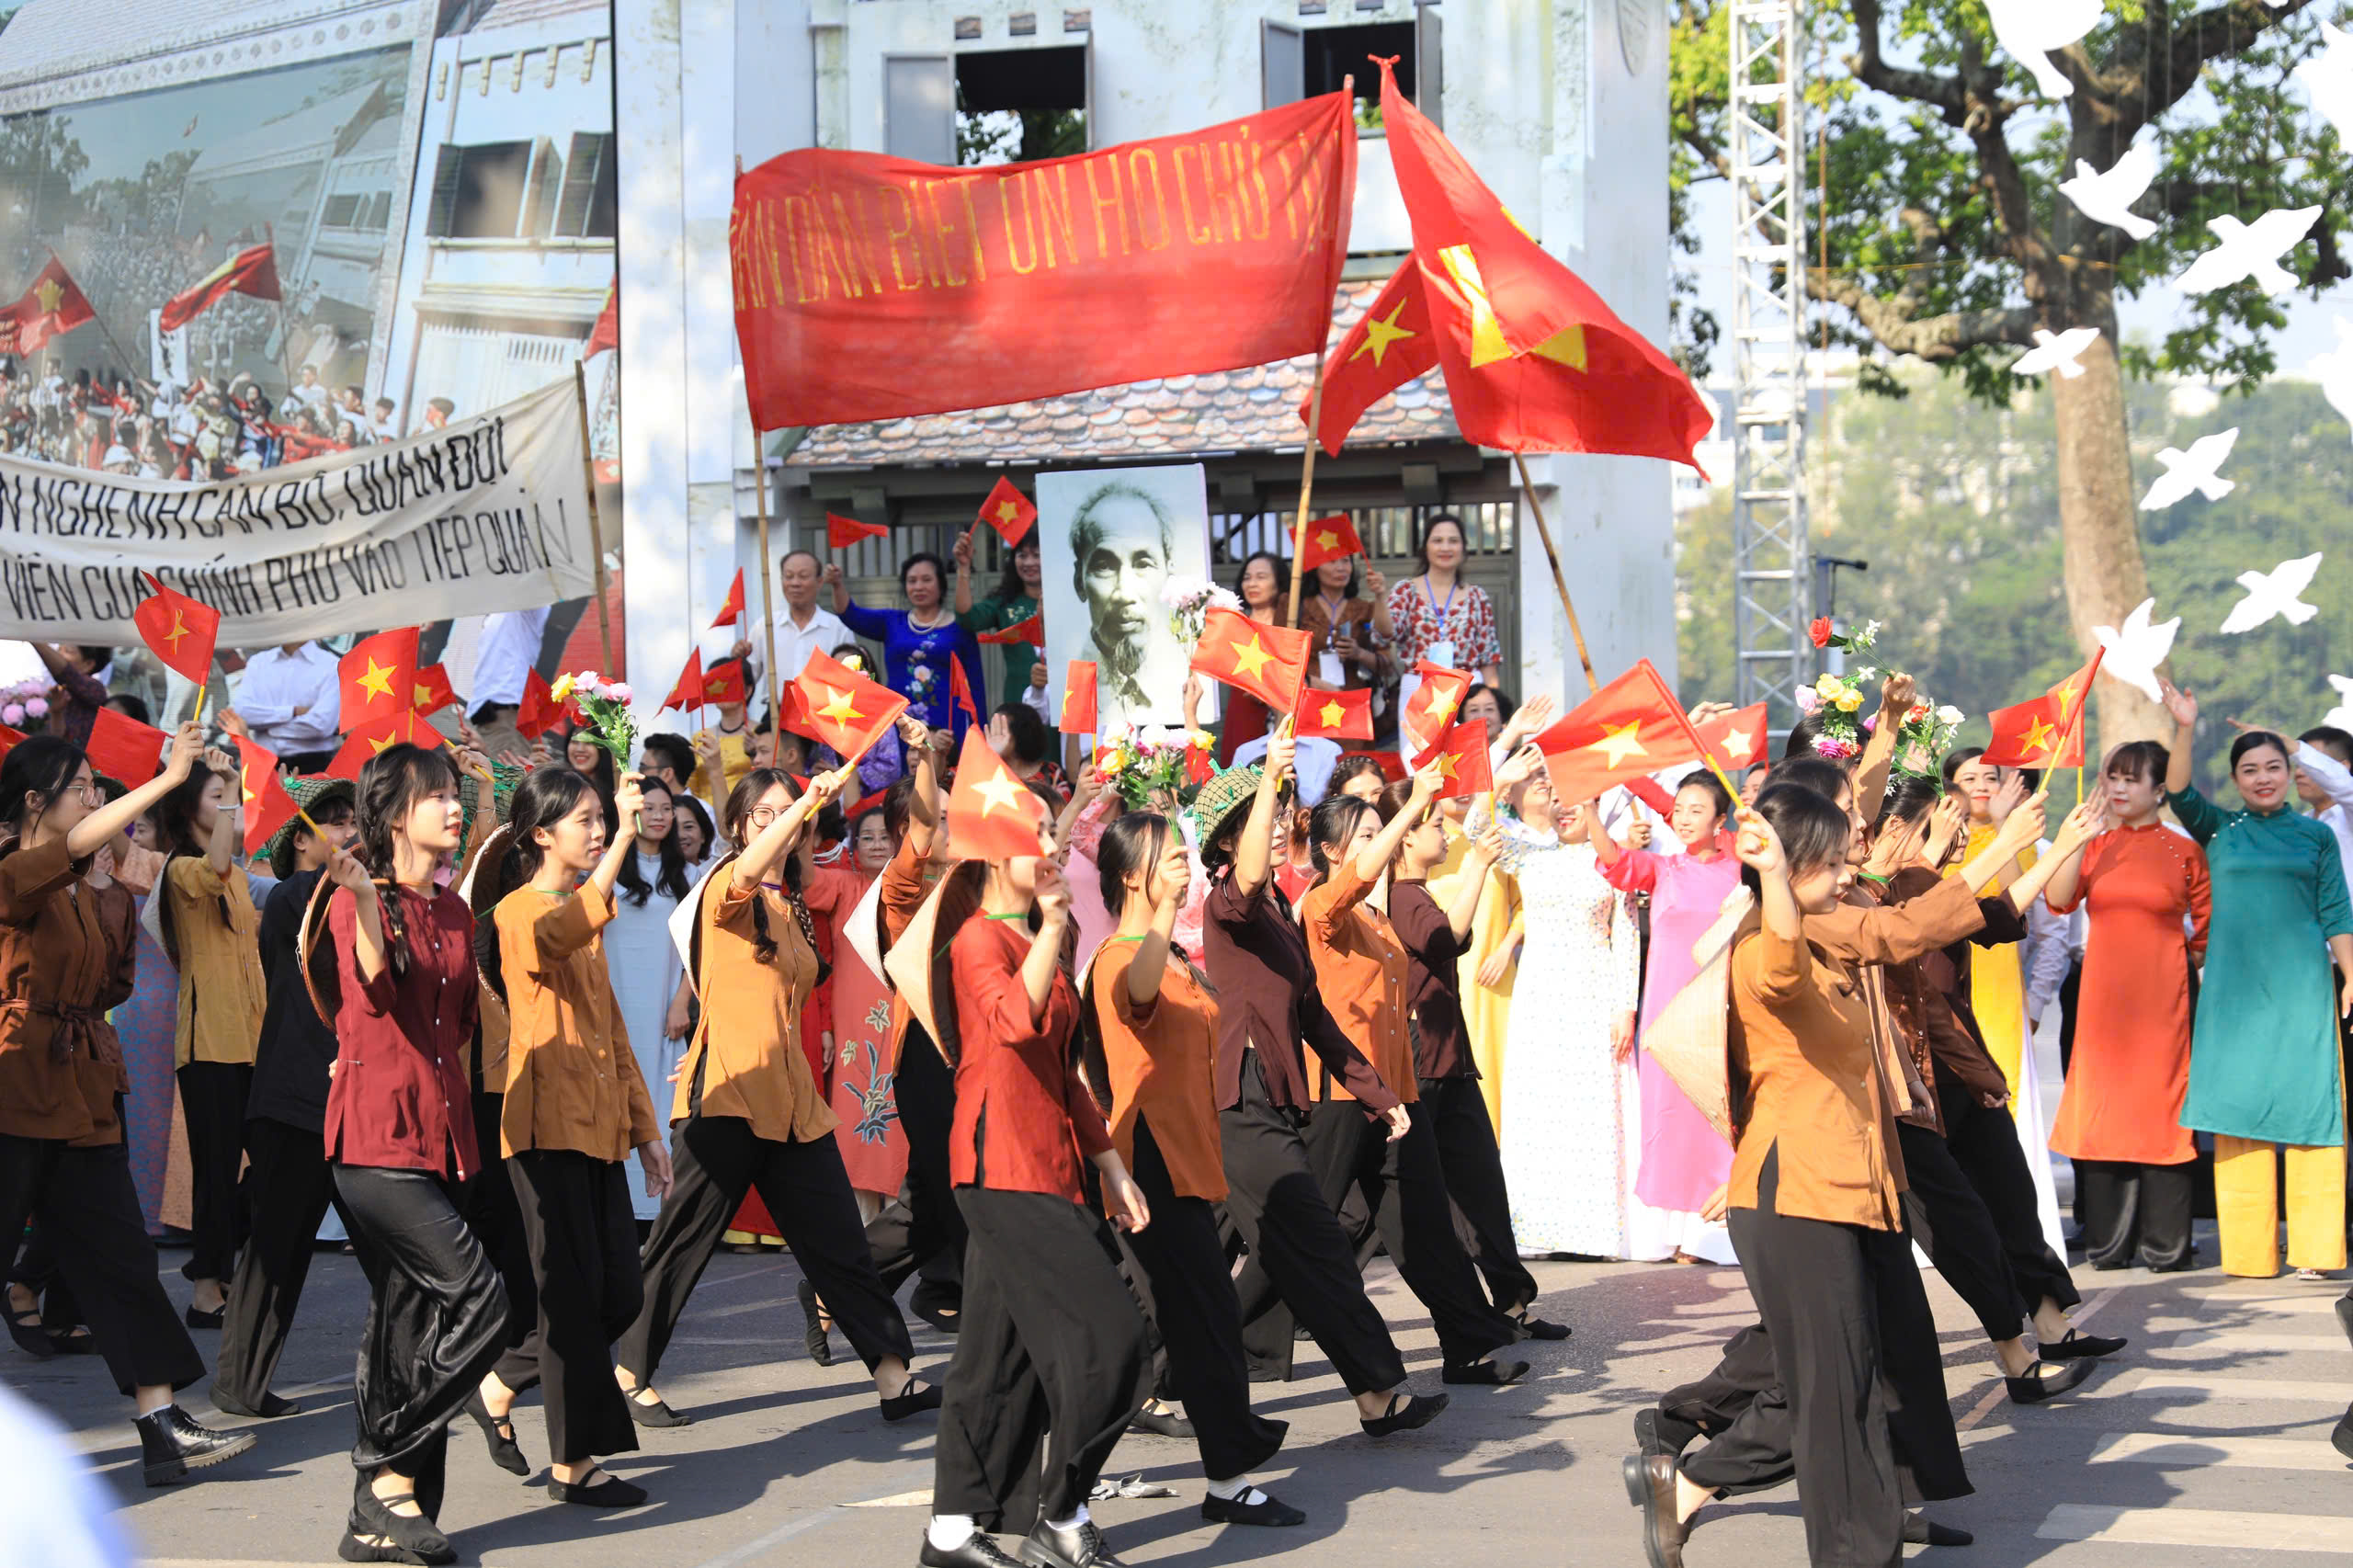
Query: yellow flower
{"points": [[1848, 701], [1201, 739], [1828, 687], [561, 690]]}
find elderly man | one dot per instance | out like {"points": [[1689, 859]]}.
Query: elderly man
{"points": [[1121, 545]]}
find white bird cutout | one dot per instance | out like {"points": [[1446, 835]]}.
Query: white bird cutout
{"points": [[2275, 592], [2192, 470], [2134, 654], [2334, 370], [2341, 716], [2250, 250], [2108, 198], [2328, 80], [2050, 353], [2030, 29]]}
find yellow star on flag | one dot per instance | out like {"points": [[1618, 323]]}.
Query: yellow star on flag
{"points": [[424, 695], [1620, 742], [2041, 736], [1252, 659], [1380, 331], [48, 292], [1007, 510], [1445, 765], [378, 680], [1065, 708], [1333, 714], [841, 706], [1566, 346], [250, 796], [1326, 540], [1739, 743], [1001, 794], [1434, 704], [381, 746]]}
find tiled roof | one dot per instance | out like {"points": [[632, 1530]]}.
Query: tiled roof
{"points": [[1221, 412]]}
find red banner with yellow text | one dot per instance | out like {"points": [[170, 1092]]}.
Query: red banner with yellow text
{"points": [[870, 287]]}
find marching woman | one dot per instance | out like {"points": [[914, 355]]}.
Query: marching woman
{"points": [[749, 1114], [1154, 1022], [1051, 1358], [575, 1107], [399, 982], [64, 952], [2265, 1067], [649, 980]]}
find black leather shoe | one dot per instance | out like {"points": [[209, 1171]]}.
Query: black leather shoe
{"points": [[1534, 1327], [1486, 1374], [914, 1399], [978, 1552], [173, 1444], [2045, 1380], [1921, 1531], [1663, 1532], [814, 1337], [1265, 1511], [2079, 1346], [212, 1319], [1047, 1547], [1421, 1409], [270, 1409], [658, 1413], [605, 1492], [499, 1431], [1160, 1423]]}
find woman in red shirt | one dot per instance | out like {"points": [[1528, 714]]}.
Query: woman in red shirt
{"points": [[1051, 1354], [397, 979]]}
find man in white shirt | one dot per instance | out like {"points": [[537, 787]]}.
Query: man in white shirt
{"points": [[309, 391], [292, 699], [2325, 782], [503, 659], [802, 629]]}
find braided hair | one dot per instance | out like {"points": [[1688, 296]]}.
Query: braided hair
{"points": [[390, 786], [545, 797]]}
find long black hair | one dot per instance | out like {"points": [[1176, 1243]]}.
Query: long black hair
{"points": [[1009, 586], [1275, 564], [174, 819], [672, 879], [1812, 829], [604, 777], [43, 766], [547, 795], [1336, 820], [391, 784], [1134, 841]]}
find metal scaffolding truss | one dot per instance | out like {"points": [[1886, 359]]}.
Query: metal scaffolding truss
{"points": [[1772, 585]]}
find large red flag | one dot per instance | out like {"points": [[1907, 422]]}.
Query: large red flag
{"points": [[1628, 728], [267, 805], [1336, 715], [434, 691], [1008, 511], [1078, 714], [180, 630], [378, 677], [868, 286], [842, 532], [1434, 702], [722, 683], [2046, 731], [1535, 360], [252, 271], [1461, 756], [1267, 662], [540, 709], [124, 749], [1390, 344], [1328, 539], [378, 736], [992, 815], [839, 706], [51, 307], [1737, 740]]}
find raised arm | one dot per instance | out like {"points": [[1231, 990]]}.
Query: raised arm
{"points": [[98, 829], [228, 830], [1254, 853], [1871, 771], [2183, 705], [1486, 850], [627, 800], [923, 813], [768, 846], [2081, 827], [1374, 858]]}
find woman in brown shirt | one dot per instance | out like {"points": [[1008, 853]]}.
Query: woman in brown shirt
{"points": [[575, 1107], [1152, 1023], [749, 1112], [62, 1157], [1361, 968], [1341, 624]]}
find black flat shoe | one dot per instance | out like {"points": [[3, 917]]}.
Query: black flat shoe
{"points": [[1160, 1423], [978, 1552], [814, 1336], [196, 1319], [1486, 1374], [375, 1528], [1265, 1511], [938, 1305], [2039, 1384], [2079, 1346], [1921, 1531], [31, 1338], [914, 1399], [2345, 1313], [1420, 1410], [74, 1341], [1047, 1547], [2341, 1439], [270, 1409], [1537, 1328], [172, 1444], [606, 1492], [657, 1414], [504, 1451]]}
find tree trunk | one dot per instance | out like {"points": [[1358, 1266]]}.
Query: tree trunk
{"points": [[2098, 519]]}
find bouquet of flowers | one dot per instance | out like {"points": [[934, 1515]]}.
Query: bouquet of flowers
{"points": [[1922, 739], [1142, 770], [605, 706], [1189, 600], [1838, 699], [24, 699]]}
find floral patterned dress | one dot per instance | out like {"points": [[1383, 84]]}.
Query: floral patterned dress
{"points": [[856, 1079], [917, 660]]}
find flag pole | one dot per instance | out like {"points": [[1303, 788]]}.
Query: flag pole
{"points": [[1306, 489], [767, 602], [1544, 531], [596, 528]]}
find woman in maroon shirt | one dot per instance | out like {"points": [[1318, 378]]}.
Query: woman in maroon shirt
{"points": [[397, 978], [1052, 1353]]}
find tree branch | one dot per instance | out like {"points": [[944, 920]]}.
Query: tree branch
{"points": [[2131, 92], [1933, 338], [1871, 69]]}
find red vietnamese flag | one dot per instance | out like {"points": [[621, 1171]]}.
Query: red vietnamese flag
{"points": [[1390, 344], [125, 749], [540, 709], [251, 271], [9, 741], [842, 532], [378, 677], [1032, 632], [433, 691], [1737, 740], [1010, 512], [1336, 715], [992, 815], [1628, 728], [1461, 755], [687, 690], [839, 708], [51, 307], [377, 736], [1535, 360], [178, 630], [1432, 707], [731, 610], [722, 683], [267, 804], [960, 690], [606, 333], [1078, 714], [1328, 539], [2026, 735], [1267, 662]]}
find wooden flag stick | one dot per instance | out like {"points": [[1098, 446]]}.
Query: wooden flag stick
{"points": [[767, 604], [596, 528], [1306, 489], [1544, 531]]}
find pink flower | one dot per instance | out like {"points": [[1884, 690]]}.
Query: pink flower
{"points": [[618, 691], [1808, 699], [13, 715], [37, 707]]}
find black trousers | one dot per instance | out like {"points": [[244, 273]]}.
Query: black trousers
{"points": [[436, 1314], [492, 1213], [716, 1160], [1049, 1363], [926, 1224], [1473, 1165], [36, 1270], [1739, 1406], [582, 1239], [213, 1102], [1985, 1144], [2131, 1212], [1188, 1294], [1954, 1226], [1404, 1192], [292, 1188], [86, 1205], [1295, 1240]]}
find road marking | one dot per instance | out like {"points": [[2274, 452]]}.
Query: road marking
{"points": [[2151, 1383], [918, 1499], [775, 1538], [2194, 1527], [2243, 1339], [2215, 1450], [2283, 1304]]}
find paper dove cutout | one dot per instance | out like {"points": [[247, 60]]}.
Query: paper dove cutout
{"points": [[2058, 353], [2192, 470], [2341, 716], [2134, 654], [2334, 370], [2030, 29], [2275, 593], [2108, 198], [2328, 80], [2250, 250]]}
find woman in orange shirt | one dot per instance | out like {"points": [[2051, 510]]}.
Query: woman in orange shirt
{"points": [[1153, 1027], [749, 1113], [576, 1106]]}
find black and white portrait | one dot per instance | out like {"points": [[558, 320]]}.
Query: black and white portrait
{"points": [[1113, 540]]}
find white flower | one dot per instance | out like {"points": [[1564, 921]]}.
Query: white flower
{"points": [[588, 680], [1179, 593], [1225, 599], [1948, 714]]}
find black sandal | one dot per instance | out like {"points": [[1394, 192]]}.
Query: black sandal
{"points": [[504, 1451], [817, 1335], [376, 1534], [606, 1492], [655, 1414], [25, 1329], [915, 1397], [2047, 1379], [1489, 1373], [1420, 1410]]}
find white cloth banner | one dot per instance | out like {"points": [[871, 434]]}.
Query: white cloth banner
{"points": [[488, 513]]}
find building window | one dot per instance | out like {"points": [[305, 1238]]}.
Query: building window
{"points": [[478, 190], [1019, 105], [589, 206], [1305, 62], [342, 211]]}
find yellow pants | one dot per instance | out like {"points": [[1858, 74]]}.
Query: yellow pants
{"points": [[2247, 1201]]}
